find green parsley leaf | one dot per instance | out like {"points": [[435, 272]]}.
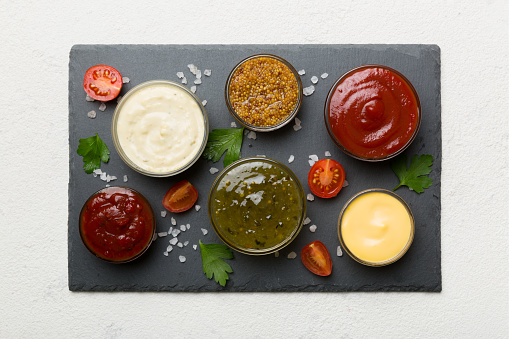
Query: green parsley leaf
{"points": [[213, 265], [415, 177], [93, 150], [222, 140]]}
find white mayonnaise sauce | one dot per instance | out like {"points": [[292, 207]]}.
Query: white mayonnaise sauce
{"points": [[160, 128]]}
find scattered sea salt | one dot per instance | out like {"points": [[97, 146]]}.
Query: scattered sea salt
{"points": [[306, 221], [197, 81], [197, 207], [327, 154], [251, 135], [312, 228], [162, 234], [324, 75], [193, 89], [213, 170], [169, 248], [125, 178], [92, 114], [180, 245], [165, 254], [173, 221], [311, 162], [291, 159], [302, 72], [163, 214], [233, 124], [182, 258], [313, 157], [183, 228], [296, 127], [175, 232], [108, 185], [207, 72], [339, 252], [188, 226], [345, 183], [310, 197], [195, 246], [125, 80], [314, 79], [276, 254], [297, 121], [170, 230], [261, 155], [192, 68], [204, 102], [98, 171], [204, 231], [292, 255], [184, 81], [186, 243], [174, 241], [87, 98], [307, 91], [180, 75], [198, 74], [103, 176], [102, 107]]}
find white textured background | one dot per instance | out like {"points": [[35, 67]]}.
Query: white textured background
{"points": [[36, 37]]}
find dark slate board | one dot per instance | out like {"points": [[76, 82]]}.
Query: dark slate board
{"points": [[418, 270]]}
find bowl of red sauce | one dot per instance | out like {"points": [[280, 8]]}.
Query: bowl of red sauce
{"points": [[372, 113], [117, 224]]}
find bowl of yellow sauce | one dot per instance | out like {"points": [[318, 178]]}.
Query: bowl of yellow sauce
{"points": [[376, 227]]}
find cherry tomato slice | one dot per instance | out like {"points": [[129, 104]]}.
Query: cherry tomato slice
{"points": [[326, 178], [180, 197], [316, 258], [102, 82]]}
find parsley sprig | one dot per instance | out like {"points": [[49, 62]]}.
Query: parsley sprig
{"points": [[213, 265], [224, 140], [415, 177], [93, 150]]}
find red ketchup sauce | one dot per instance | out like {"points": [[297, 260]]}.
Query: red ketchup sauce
{"points": [[373, 112], [117, 224]]}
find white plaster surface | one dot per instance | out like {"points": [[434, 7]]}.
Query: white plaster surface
{"points": [[36, 37]]}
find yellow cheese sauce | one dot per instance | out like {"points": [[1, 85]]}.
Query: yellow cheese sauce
{"points": [[160, 128], [376, 227]]}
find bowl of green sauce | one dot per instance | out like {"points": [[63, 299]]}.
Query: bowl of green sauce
{"points": [[257, 206]]}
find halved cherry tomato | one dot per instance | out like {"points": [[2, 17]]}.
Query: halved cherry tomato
{"points": [[180, 197], [316, 258], [326, 178], [102, 82]]}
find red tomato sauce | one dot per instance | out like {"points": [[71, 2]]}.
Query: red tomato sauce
{"points": [[373, 112], [117, 224]]}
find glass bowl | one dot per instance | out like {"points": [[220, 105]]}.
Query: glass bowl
{"points": [[374, 238], [139, 159], [280, 123], [257, 206], [366, 103], [117, 224]]}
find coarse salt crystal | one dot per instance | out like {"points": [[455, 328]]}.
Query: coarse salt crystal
{"points": [[198, 74], [233, 124], [306, 221], [162, 234], [207, 72], [313, 157], [327, 154], [92, 114], [193, 89], [197, 81], [339, 252], [180, 245], [197, 207], [213, 170], [113, 178], [204, 102], [175, 232], [312, 228], [297, 121], [125, 80], [182, 258], [324, 75], [186, 243], [163, 214], [195, 246], [251, 135], [296, 127], [174, 241], [183, 228], [108, 185], [192, 68], [276, 254], [308, 90], [314, 79], [173, 221], [108, 178], [98, 171], [310, 197], [170, 230], [165, 254], [204, 231], [180, 75], [302, 72], [103, 176], [188, 226], [87, 98], [291, 159], [125, 178], [345, 183], [184, 81], [102, 107], [292, 255], [169, 248], [311, 162]]}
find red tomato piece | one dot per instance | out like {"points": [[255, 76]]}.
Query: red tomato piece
{"points": [[102, 82], [316, 258], [326, 178], [180, 197]]}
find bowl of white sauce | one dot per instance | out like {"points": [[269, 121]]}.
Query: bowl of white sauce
{"points": [[160, 128]]}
